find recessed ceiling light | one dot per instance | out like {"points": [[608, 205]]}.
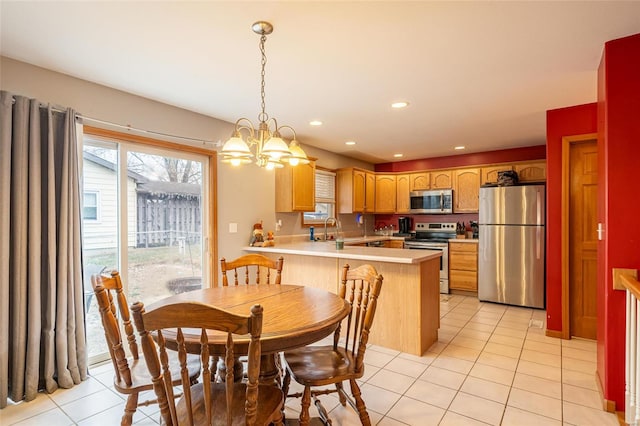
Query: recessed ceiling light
{"points": [[349, 143], [397, 155], [399, 104], [316, 123], [458, 147]]}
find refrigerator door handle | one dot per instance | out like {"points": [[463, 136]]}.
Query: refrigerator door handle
{"points": [[538, 208], [538, 244]]}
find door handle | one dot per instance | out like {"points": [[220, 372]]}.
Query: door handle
{"points": [[539, 208]]}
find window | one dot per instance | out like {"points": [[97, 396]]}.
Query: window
{"points": [[90, 205], [325, 198], [152, 199]]}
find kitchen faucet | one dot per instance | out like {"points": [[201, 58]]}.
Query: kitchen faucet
{"points": [[335, 223]]}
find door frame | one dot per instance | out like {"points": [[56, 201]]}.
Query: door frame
{"points": [[567, 141], [211, 243]]}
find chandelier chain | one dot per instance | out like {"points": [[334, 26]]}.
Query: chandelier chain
{"points": [[263, 116], [271, 150]]}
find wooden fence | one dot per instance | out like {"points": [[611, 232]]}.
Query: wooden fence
{"points": [[168, 219]]}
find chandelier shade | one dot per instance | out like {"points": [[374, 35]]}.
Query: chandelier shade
{"points": [[271, 150]]}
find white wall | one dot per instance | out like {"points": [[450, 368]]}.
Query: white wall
{"points": [[245, 195]]}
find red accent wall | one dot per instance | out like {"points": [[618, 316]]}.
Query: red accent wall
{"points": [[619, 198], [575, 120], [502, 156]]}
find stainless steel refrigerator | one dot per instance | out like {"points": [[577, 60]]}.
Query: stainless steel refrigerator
{"points": [[511, 252]]}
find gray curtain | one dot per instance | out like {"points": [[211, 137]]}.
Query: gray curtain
{"points": [[42, 334]]}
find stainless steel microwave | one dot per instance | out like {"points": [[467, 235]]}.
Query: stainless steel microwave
{"points": [[432, 202]]}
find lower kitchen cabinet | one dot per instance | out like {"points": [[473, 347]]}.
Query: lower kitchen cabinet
{"points": [[463, 266], [394, 243]]}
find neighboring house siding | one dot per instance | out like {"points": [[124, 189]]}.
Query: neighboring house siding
{"points": [[103, 232]]}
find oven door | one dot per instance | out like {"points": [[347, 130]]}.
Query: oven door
{"points": [[443, 247]]}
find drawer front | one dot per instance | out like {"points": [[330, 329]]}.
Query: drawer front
{"points": [[463, 261], [464, 247], [463, 280]]}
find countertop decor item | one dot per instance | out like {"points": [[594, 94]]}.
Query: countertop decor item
{"points": [[270, 149]]}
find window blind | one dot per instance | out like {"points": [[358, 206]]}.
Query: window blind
{"points": [[325, 187]]}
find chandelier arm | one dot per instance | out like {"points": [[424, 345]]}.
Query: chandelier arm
{"points": [[284, 126], [248, 127]]}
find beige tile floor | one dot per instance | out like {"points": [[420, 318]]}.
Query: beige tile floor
{"points": [[492, 365]]}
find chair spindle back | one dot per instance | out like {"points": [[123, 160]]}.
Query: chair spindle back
{"points": [[254, 266]]}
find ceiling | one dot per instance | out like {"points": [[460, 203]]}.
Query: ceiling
{"points": [[479, 74]]}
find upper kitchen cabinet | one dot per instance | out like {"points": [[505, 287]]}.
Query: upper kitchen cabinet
{"points": [[370, 192], [441, 179], [295, 188], [403, 185], [385, 195], [420, 181], [356, 190], [466, 189], [531, 172], [489, 174]]}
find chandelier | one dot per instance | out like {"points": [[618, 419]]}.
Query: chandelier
{"points": [[271, 151]]}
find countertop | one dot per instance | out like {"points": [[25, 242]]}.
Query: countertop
{"points": [[350, 251], [464, 240]]}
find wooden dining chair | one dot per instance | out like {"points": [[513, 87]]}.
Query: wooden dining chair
{"points": [[255, 265], [314, 366], [131, 374], [208, 402]]}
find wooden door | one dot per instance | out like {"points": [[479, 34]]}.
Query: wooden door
{"points": [[385, 194], [420, 181], [359, 184], [402, 193], [303, 187], [583, 193], [489, 174], [370, 192], [466, 188], [532, 172], [441, 179]]}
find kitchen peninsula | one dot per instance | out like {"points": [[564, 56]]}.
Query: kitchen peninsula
{"points": [[408, 312]]}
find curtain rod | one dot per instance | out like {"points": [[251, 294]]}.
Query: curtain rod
{"points": [[121, 126], [149, 132]]}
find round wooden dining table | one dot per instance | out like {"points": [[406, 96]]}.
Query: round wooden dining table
{"points": [[293, 316]]}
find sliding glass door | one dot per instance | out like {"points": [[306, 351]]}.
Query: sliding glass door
{"points": [[144, 214]]}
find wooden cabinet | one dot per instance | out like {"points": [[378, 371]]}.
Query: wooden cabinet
{"points": [[356, 190], [403, 185], [370, 192], [295, 188], [394, 244], [535, 171], [385, 193], [359, 183], [466, 189], [490, 174], [463, 266], [441, 179], [420, 181]]}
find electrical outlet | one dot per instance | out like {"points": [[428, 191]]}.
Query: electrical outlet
{"points": [[233, 228]]}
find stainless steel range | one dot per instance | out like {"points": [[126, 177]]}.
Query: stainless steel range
{"points": [[435, 236]]}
